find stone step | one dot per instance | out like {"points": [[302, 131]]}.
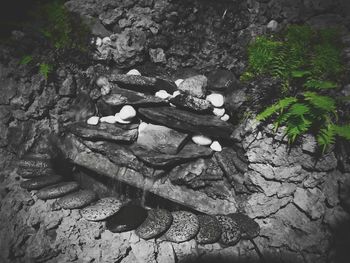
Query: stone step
{"points": [[57, 190], [41, 182], [76, 200]]}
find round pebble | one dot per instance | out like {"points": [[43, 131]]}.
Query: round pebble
{"points": [[102, 209], [157, 222], [128, 218], [162, 94], [41, 182], [209, 229], [216, 146], [219, 112], [134, 72], [120, 120], [226, 117], [201, 140], [106, 40], [231, 233], [109, 119], [93, 120], [249, 228], [178, 82], [176, 93], [102, 81], [98, 41], [77, 199], [184, 227], [216, 99], [127, 112], [57, 190]]}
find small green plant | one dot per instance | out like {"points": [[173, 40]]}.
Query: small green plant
{"points": [[309, 65], [26, 60], [45, 69]]}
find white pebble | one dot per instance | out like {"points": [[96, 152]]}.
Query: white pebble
{"points": [[172, 105], [219, 111], [120, 120], [178, 82], [102, 81], [134, 72], [215, 146], [109, 119], [106, 40], [201, 140], [226, 117], [216, 99], [272, 25], [98, 41], [162, 94], [105, 90], [93, 120], [176, 93], [142, 126], [127, 112]]}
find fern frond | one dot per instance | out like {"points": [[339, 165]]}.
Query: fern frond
{"points": [[321, 102], [326, 137], [275, 108], [343, 131], [320, 84], [297, 126], [298, 109]]}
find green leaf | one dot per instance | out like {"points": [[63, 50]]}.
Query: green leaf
{"points": [[26, 60], [300, 73], [298, 109], [320, 84], [321, 102], [343, 131], [326, 137], [45, 69]]}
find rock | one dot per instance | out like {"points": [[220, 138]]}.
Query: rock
{"points": [[183, 120], [102, 81], [272, 25], [166, 253], [176, 93], [57, 190], [161, 139], [76, 200], [178, 82], [219, 112], [34, 172], [311, 201], [158, 159], [215, 146], [157, 55], [40, 182], [108, 119], [35, 161], [98, 41], [327, 162], [221, 80], [111, 16], [309, 143], [128, 218], [162, 94], [184, 227], [191, 103], [93, 120], [231, 233], [249, 228], [209, 229], [104, 131], [201, 140], [216, 99], [102, 209], [120, 120], [133, 72], [259, 205], [195, 86], [226, 117], [68, 87], [127, 112], [157, 222]]}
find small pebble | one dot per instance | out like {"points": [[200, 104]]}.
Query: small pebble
{"points": [[98, 41], [219, 112], [142, 126], [106, 40], [215, 146], [105, 90], [134, 72], [162, 94], [120, 120], [109, 119], [172, 105], [102, 81], [226, 117], [127, 113], [178, 82], [272, 25], [93, 120], [201, 140], [216, 99], [176, 93]]}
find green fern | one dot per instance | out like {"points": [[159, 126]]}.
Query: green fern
{"points": [[26, 60], [45, 69]]}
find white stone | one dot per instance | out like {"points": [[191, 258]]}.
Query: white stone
{"points": [[219, 112], [176, 93], [105, 90], [226, 117], [142, 126], [134, 72], [162, 94], [172, 105], [106, 40], [272, 25], [102, 81], [215, 146], [120, 120], [93, 120], [216, 99], [127, 113], [98, 41], [201, 140], [178, 82], [109, 119]]}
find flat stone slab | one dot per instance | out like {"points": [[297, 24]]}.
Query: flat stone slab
{"points": [[191, 103], [187, 121], [249, 228], [209, 229], [102, 209], [189, 151], [184, 227], [26, 172], [161, 139], [41, 182], [104, 131], [57, 190], [77, 199], [128, 218], [142, 83], [231, 233], [35, 161], [157, 222]]}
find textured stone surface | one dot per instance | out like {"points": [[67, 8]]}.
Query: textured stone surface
{"points": [[40, 182], [57, 190], [191, 103], [77, 199], [249, 228], [209, 229], [221, 80], [156, 223], [231, 233], [311, 201], [195, 86], [102, 209], [184, 227]]}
